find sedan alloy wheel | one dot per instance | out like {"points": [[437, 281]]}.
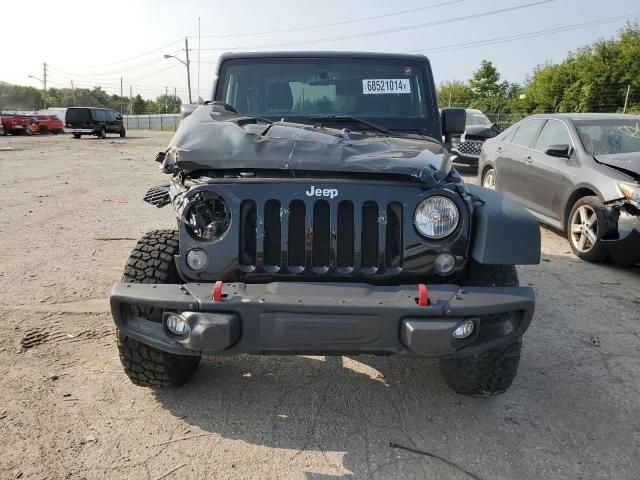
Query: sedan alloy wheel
{"points": [[489, 179], [584, 228]]}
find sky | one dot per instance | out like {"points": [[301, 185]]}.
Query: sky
{"points": [[97, 44]]}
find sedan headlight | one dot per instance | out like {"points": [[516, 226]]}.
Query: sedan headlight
{"points": [[436, 217], [631, 191]]}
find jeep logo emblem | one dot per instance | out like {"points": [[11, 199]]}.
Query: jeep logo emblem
{"points": [[322, 192]]}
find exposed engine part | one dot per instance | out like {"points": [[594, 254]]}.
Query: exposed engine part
{"points": [[208, 216]]}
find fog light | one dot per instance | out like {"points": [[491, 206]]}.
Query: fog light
{"points": [[445, 263], [176, 324], [464, 329], [197, 259]]}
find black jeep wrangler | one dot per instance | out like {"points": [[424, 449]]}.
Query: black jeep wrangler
{"points": [[318, 213]]}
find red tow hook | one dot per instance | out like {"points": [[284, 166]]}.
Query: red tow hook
{"points": [[423, 295], [217, 291]]}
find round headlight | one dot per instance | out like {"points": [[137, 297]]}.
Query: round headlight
{"points": [[436, 217]]}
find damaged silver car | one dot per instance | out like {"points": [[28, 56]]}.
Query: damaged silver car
{"points": [[577, 172]]}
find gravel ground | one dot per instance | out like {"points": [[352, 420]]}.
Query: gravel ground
{"points": [[71, 213]]}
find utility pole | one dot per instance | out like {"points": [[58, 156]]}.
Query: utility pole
{"points": [[44, 82], [186, 48], [73, 93], [130, 99], [121, 99], [626, 99], [175, 99], [166, 97], [449, 97]]}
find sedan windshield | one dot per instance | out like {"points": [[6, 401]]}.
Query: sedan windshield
{"points": [[477, 120], [386, 92], [610, 136]]}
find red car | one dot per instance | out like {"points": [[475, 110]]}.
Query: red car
{"points": [[14, 123], [49, 124]]}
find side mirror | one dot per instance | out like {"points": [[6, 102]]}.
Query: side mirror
{"points": [[560, 151], [453, 121]]}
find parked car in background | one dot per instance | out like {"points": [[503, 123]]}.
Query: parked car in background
{"points": [[49, 124], [465, 150], [14, 123], [93, 121], [579, 173]]}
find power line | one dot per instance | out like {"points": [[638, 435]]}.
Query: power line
{"points": [[519, 36], [388, 30], [155, 72], [112, 72], [134, 57], [334, 24]]}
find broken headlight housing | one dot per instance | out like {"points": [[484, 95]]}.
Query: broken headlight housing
{"points": [[207, 216], [631, 192]]}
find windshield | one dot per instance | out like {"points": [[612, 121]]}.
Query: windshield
{"points": [[475, 119], [609, 137], [384, 90]]}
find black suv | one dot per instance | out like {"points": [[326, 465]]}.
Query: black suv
{"points": [[318, 213], [93, 121]]}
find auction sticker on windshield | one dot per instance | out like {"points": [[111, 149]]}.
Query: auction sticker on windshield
{"points": [[386, 85]]}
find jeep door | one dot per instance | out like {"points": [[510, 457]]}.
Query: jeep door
{"points": [[511, 160], [550, 180]]}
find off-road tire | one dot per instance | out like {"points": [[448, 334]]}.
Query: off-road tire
{"points": [[598, 252], [123, 133], [151, 261], [493, 371], [77, 136], [43, 130], [149, 367], [103, 133], [488, 373]]}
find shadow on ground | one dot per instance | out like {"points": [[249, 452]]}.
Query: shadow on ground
{"points": [[336, 417]]}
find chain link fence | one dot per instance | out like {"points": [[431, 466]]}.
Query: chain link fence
{"points": [[164, 122]]}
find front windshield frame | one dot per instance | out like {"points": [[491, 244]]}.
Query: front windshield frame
{"points": [[623, 129], [428, 124]]}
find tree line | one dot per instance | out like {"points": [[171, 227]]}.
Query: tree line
{"points": [[18, 97], [600, 77]]}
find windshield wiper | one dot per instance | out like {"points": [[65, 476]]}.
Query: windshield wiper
{"points": [[335, 119]]}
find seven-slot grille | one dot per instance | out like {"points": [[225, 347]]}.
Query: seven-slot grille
{"points": [[320, 236], [469, 148]]}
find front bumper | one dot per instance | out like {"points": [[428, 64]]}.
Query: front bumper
{"points": [[624, 251], [325, 319]]}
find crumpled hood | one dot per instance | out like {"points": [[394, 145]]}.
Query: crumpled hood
{"points": [[626, 161], [213, 138]]}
